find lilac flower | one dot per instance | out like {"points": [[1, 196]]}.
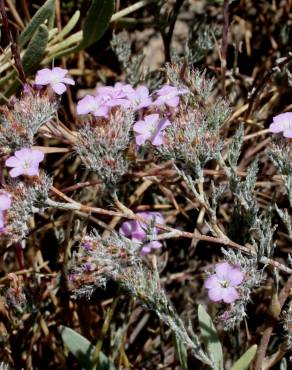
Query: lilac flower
{"points": [[115, 96], [136, 230], [221, 285], [147, 248], [5, 203], [282, 123], [150, 129], [25, 162], [55, 78], [140, 98], [169, 95], [94, 105]]}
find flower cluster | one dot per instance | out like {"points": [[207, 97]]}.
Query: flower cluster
{"points": [[137, 99], [137, 230]]}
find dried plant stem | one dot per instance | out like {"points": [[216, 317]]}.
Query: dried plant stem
{"points": [[14, 48], [72, 205], [261, 353], [224, 43]]}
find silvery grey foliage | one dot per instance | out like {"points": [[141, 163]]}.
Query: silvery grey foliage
{"points": [[27, 199], [287, 324], [200, 41], [102, 146], [281, 156], [131, 63], [189, 142], [193, 139], [116, 258], [253, 278], [4, 366], [286, 218], [21, 119]]}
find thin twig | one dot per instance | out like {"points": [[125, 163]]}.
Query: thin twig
{"points": [[13, 45], [72, 205]]}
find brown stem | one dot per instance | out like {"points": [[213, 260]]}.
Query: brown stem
{"points": [[264, 343], [167, 36], [224, 43], [13, 45], [75, 206], [255, 91]]}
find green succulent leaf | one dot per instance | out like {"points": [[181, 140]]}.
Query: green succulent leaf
{"points": [[245, 360], [96, 21], [45, 13], [83, 350], [211, 338]]}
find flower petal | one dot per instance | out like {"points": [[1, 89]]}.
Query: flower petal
{"points": [[229, 295], [17, 171], [223, 270], [59, 88], [215, 294], [212, 282], [236, 276]]}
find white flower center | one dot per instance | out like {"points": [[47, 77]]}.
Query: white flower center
{"points": [[224, 283], [26, 164]]}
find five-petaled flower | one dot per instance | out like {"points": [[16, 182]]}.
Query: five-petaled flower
{"points": [[5, 203], [221, 285], [55, 78], [140, 98], [282, 123], [169, 95], [25, 162], [151, 128], [137, 230], [94, 105]]}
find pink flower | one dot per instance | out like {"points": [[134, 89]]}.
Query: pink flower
{"points": [[55, 78], [94, 105], [147, 248], [115, 96], [5, 203], [282, 123], [140, 98], [169, 95], [25, 162], [221, 285], [137, 231], [150, 129]]}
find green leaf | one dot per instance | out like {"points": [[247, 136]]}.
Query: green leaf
{"points": [[45, 13], [245, 360], [83, 350], [181, 352], [211, 338], [96, 21], [32, 57], [35, 50]]}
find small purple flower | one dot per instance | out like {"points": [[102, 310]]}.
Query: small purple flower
{"points": [[25, 162], [94, 105], [140, 98], [5, 203], [221, 285], [147, 248], [55, 78], [282, 123], [169, 95], [150, 129], [136, 230], [115, 96]]}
